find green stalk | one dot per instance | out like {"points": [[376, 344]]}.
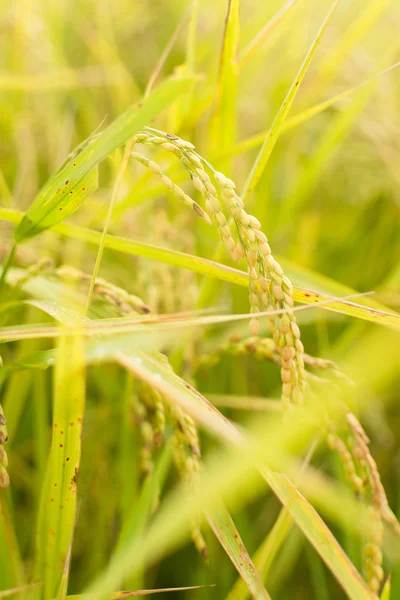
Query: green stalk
{"points": [[7, 264], [117, 185]]}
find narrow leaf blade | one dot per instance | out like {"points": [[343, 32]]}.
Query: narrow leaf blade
{"points": [[224, 528], [273, 134], [58, 192]]}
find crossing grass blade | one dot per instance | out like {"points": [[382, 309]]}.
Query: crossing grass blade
{"points": [[123, 327], [17, 591], [364, 21], [374, 312], [141, 593], [302, 512], [304, 515], [320, 536], [304, 115], [59, 196], [224, 528], [252, 46], [329, 144], [270, 546], [266, 553], [275, 131]]}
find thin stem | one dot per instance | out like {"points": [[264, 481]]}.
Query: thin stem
{"points": [[7, 264], [121, 172], [167, 50]]}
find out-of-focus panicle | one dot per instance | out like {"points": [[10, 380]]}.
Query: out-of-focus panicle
{"points": [[363, 455], [4, 478], [363, 475], [186, 451], [106, 291], [336, 443], [264, 348], [352, 445], [103, 290], [143, 411], [261, 348], [151, 411], [372, 551]]}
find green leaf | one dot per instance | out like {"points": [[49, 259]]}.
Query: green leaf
{"points": [[341, 50], [259, 38], [173, 387], [224, 121], [58, 502], [62, 202], [224, 528], [385, 595], [303, 116], [56, 201], [329, 143], [301, 511], [270, 546], [314, 528], [273, 134], [60, 197], [374, 312]]}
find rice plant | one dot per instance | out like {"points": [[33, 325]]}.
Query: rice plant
{"points": [[198, 298]]}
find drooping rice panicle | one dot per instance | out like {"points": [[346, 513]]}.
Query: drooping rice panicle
{"points": [[266, 278], [363, 475], [266, 348], [372, 552], [336, 443], [171, 186], [363, 455]]}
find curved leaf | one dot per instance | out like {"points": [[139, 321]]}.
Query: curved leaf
{"points": [[224, 528], [59, 197], [273, 134], [375, 312], [303, 513]]}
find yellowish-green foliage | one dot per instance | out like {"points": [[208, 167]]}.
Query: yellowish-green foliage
{"points": [[162, 430]]}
